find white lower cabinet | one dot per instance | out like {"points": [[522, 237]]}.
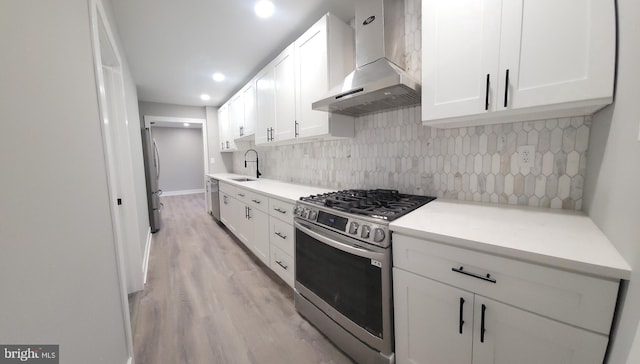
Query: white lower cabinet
{"points": [[458, 306], [437, 323], [281, 235], [259, 225], [262, 224], [427, 319], [248, 223]]}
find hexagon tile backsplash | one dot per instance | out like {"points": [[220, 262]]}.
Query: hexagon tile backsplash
{"points": [[393, 150]]}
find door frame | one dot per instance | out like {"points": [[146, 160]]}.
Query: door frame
{"points": [[102, 36]]}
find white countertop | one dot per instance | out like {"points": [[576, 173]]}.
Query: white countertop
{"points": [[272, 188], [563, 239]]}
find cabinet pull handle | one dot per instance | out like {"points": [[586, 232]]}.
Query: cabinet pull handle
{"points": [[474, 275], [482, 329], [295, 128], [506, 90], [248, 213], [281, 235], [256, 201], [280, 210], [486, 93], [461, 315], [279, 262], [224, 199], [241, 194]]}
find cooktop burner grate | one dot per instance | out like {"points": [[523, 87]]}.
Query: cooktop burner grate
{"points": [[378, 203]]}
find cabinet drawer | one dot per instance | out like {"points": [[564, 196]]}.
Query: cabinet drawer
{"points": [[282, 210], [577, 299], [234, 191], [227, 188], [281, 235], [256, 200], [282, 264]]}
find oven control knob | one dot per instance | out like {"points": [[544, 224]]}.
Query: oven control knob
{"points": [[313, 215], [378, 235], [353, 228], [366, 231], [305, 213]]}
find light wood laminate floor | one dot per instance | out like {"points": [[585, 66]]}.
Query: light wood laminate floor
{"points": [[208, 300]]}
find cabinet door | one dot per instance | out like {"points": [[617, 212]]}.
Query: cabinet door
{"points": [[223, 125], [244, 230], [460, 52], [312, 80], [556, 52], [260, 240], [228, 211], [265, 105], [515, 336], [236, 116], [427, 321], [249, 102], [284, 82]]}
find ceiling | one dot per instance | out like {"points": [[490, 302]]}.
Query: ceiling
{"points": [[173, 47]]}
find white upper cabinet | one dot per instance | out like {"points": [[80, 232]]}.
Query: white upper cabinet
{"points": [[224, 128], [460, 54], [236, 115], [493, 61], [285, 96], [242, 112], [265, 105], [249, 103], [303, 73], [324, 57]]}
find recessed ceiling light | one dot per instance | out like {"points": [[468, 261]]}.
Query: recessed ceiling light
{"points": [[218, 77], [264, 8], [186, 125], [205, 97]]}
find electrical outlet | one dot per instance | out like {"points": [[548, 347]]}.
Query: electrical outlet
{"points": [[527, 155]]}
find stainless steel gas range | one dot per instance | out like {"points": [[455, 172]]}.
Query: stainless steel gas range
{"points": [[343, 267]]}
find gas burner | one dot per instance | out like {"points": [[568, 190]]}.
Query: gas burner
{"points": [[379, 203]]}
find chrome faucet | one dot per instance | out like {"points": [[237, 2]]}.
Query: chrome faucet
{"points": [[258, 174]]}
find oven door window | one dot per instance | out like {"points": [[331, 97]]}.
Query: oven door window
{"points": [[349, 283]]}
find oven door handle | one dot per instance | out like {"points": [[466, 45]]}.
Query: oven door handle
{"points": [[361, 251]]}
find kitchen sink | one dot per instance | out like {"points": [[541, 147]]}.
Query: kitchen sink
{"points": [[243, 179]]}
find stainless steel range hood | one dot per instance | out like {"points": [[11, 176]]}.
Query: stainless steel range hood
{"points": [[379, 81]]}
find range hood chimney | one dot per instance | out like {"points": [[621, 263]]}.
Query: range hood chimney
{"points": [[379, 81]]}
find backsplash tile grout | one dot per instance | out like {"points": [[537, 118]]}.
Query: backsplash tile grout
{"points": [[480, 163]]}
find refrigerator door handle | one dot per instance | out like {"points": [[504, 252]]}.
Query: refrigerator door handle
{"points": [[156, 158]]}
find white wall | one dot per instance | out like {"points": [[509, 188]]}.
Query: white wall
{"points": [[58, 264], [612, 186], [181, 158]]}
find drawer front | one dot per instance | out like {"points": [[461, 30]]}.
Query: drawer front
{"points": [[240, 193], [257, 200], [577, 299], [281, 235], [282, 210], [282, 264], [227, 188]]}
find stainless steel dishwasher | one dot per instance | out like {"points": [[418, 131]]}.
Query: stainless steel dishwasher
{"points": [[214, 198]]}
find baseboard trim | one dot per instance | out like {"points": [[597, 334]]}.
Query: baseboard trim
{"points": [[183, 192], [145, 260]]}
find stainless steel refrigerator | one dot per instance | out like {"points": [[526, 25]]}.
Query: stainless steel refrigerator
{"points": [[152, 172]]}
